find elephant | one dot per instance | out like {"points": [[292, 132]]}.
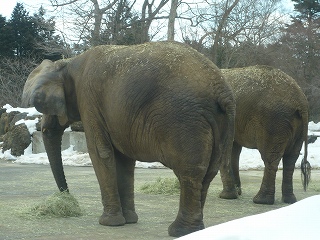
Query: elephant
{"points": [[158, 101], [271, 116]]}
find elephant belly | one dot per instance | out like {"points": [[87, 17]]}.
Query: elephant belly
{"points": [[170, 144], [246, 143], [246, 135]]}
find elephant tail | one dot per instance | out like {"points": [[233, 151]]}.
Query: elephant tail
{"points": [[226, 171], [305, 165]]}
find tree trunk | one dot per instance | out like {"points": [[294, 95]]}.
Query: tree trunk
{"points": [[95, 38], [172, 18], [221, 25]]}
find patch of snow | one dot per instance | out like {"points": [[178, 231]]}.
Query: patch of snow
{"points": [[31, 111], [314, 127]]}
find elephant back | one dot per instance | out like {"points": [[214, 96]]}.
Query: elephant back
{"points": [[265, 83]]}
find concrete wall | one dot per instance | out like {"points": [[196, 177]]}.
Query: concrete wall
{"points": [[77, 139]]}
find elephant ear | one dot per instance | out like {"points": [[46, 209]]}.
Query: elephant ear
{"points": [[44, 89]]}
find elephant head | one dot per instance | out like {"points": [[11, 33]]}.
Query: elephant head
{"points": [[45, 90]]}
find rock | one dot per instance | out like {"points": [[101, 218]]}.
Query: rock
{"points": [[77, 127], [5, 121], [312, 138], [17, 117], [17, 139], [2, 110]]}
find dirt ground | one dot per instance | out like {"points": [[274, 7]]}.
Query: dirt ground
{"points": [[24, 186]]}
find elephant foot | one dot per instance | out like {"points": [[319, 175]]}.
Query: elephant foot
{"points": [[264, 198], [130, 216], [230, 194], [177, 229], [289, 198], [112, 220]]}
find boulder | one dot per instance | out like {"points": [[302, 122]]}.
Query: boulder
{"points": [[17, 117], [17, 139]]}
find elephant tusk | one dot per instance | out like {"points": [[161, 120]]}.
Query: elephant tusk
{"points": [[43, 130]]}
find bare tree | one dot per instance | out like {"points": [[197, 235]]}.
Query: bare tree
{"points": [[89, 12], [224, 26], [148, 14], [92, 15], [13, 74]]}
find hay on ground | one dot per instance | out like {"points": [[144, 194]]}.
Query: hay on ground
{"points": [[60, 204], [167, 186]]}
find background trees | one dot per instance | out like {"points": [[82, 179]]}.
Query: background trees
{"points": [[24, 41], [302, 38], [297, 51]]}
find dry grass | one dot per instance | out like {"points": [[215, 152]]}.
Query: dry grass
{"points": [[166, 186]]}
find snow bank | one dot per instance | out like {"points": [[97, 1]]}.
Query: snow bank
{"points": [[297, 221]]}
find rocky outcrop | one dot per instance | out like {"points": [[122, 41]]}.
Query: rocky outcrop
{"points": [[17, 137], [14, 136]]}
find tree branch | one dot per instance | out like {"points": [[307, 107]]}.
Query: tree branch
{"points": [[61, 4]]}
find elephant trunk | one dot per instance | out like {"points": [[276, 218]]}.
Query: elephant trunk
{"points": [[52, 138]]}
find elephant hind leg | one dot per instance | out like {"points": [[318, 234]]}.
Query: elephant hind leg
{"points": [[190, 215], [266, 194], [287, 186]]}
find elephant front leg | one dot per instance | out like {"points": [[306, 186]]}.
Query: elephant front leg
{"points": [[103, 161], [125, 176], [112, 210]]}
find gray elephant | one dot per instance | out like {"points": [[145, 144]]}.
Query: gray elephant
{"points": [[152, 102], [271, 116]]}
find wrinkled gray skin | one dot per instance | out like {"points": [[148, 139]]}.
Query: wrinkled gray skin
{"points": [[272, 116], [151, 102]]}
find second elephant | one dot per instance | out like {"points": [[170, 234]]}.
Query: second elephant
{"points": [[271, 116]]}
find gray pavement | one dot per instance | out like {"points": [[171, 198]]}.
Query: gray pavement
{"points": [[24, 186]]}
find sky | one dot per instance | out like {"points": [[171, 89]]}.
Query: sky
{"points": [[32, 6], [6, 6]]}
